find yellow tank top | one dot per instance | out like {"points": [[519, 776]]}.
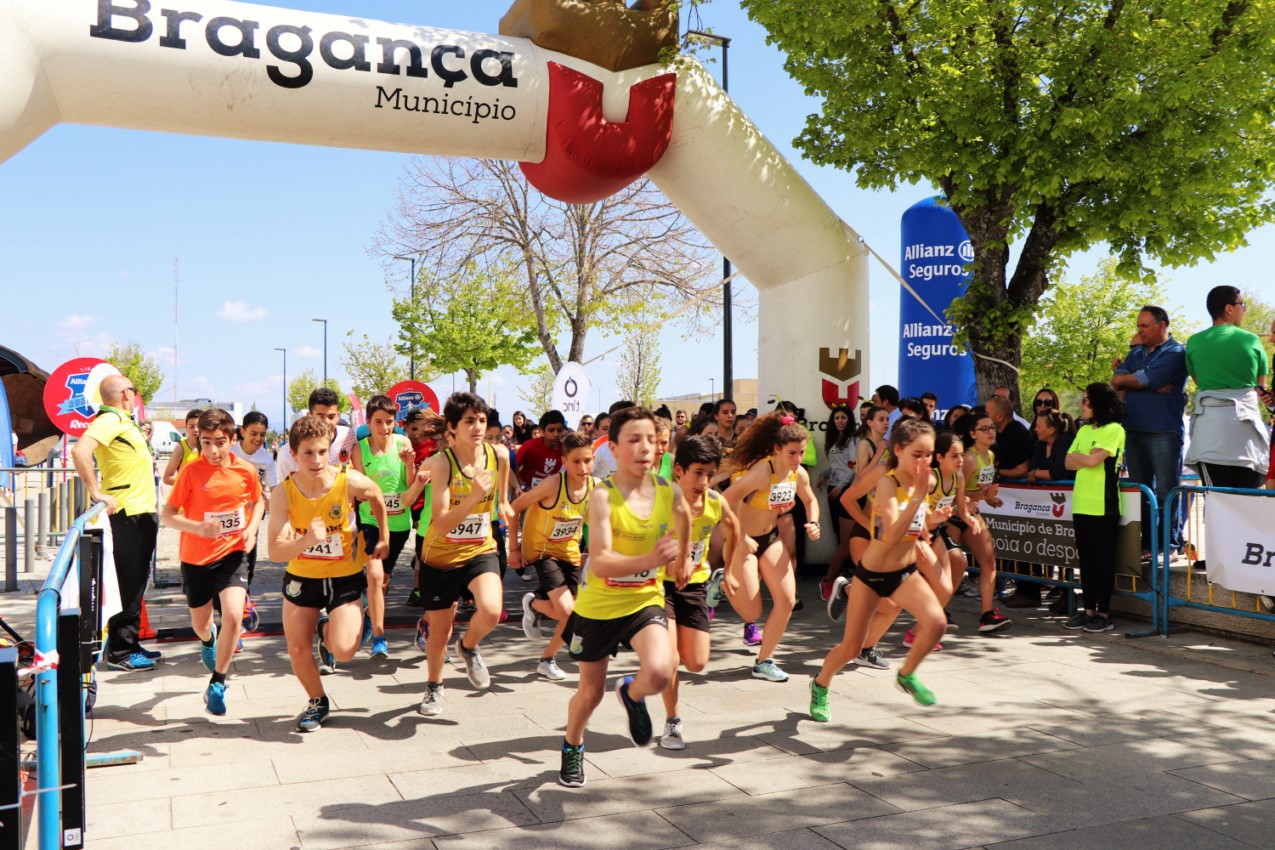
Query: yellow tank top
{"points": [[938, 496], [555, 532], [472, 536], [701, 530], [612, 598], [779, 495], [339, 554], [901, 496], [189, 453], [985, 474]]}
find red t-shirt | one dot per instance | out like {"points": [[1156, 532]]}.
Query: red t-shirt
{"points": [[536, 461], [424, 451]]}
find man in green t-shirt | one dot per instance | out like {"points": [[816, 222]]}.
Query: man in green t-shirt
{"points": [[1229, 366], [127, 489]]}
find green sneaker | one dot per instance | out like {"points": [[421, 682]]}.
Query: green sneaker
{"points": [[910, 684], [819, 702]]}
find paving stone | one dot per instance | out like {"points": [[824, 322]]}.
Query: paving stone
{"points": [[260, 834], [1148, 755], [1248, 822], [552, 802], [357, 821], [226, 808], [1008, 779], [144, 816], [1160, 833], [1253, 779], [631, 831], [943, 828], [702, 753], [308, 766], [121, 788], [793, 772], [780, 812], [1008, 743]]}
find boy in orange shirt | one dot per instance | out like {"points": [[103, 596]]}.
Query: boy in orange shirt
{"points": [[216, 504]]}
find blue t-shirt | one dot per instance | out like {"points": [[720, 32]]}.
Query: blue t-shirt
{"points": [[1147, 409]]}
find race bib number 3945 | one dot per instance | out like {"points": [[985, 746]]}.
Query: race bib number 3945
{"points": [[393, 503]]}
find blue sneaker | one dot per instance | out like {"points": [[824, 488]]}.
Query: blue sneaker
{"points": [[135, 662], [215, 699], [152, 654], [380, 648], [327, 661], [367, 630], [316, 711], [640, 729], [208, 654], [422, 634], [713, 593]]}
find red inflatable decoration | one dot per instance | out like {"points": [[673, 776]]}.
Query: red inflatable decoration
{"points": [[588, 158]]}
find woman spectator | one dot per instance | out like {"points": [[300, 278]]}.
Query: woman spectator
{"points": [[1046, 399], [1095, 456], [841, 449], [1054, 433], [957, 411], [523, 428]]}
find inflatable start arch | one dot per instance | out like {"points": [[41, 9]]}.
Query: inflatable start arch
{"points": [[583, 126]]}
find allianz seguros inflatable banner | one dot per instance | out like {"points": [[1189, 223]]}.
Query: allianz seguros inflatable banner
{"points": [[936, 251]]}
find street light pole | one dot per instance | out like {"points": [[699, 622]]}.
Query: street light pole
{"points": [[412, 359], [728, 366], [285, 388], [325, 349], [712, 389]]}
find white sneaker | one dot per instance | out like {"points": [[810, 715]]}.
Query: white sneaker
{"points": [[432, 703], [548, 669], [672, 737], [530, 618]]}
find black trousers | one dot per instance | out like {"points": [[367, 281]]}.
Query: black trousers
{"points": [[1096, 546], [1217, 475], [134, 545]]}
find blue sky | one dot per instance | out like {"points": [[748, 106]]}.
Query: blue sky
{"points": [[270, 236]]}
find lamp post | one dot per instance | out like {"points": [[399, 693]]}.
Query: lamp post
{"points": [[412, 359], [712, 389], [325, 349], [728, 368], [285, 387]]}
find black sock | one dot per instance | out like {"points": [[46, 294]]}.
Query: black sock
{"points": [[210, 642], [218, 677]]}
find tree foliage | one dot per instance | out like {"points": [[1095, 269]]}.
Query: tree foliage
{"points": [[300, 387], [638, 375], [536, 388], [471, 323], [618, 263], [139, 368], [374, 367], [1141, 125]]}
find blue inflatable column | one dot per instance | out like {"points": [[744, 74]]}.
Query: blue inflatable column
{"points": [[936, 251]]}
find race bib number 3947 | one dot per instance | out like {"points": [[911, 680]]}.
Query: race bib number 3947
{"points": [[472, 529]]}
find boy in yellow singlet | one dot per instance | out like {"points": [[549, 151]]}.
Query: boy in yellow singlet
{"points": [[696, 464], [458, 553], [556, 510], [312, 530], [186, 450], [638, 524]]}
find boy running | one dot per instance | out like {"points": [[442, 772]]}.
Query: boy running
{"points": [[216, 504], [312, 530], [638, 524]]}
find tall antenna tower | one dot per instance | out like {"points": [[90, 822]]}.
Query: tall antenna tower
{"points": [[176, 284]]}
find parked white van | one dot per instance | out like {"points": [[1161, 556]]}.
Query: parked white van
{"points": [[164, 438]]}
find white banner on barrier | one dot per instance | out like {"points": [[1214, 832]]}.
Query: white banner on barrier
{"points": [[1240, 542]]}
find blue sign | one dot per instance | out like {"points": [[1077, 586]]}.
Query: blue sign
{"points": [[936, 253], [6, 441]]}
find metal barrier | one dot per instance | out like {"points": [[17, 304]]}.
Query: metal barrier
{"points": [[66, 642], [35, 513], [1192, 499]]}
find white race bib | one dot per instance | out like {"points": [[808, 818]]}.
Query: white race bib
{"points": [[474, 528], [697, 552], [393, 503], [565, 529], [231, 522], [986, 475], [641, 579], [946, 502], [783, 495], [326, 550], [918, 521]]}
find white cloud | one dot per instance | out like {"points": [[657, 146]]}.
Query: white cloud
{"points": [[238, 311], [306, 351], [163, 357], [73, 323]]}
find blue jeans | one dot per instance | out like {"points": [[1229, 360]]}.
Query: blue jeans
{"points": [[1154, 458]]}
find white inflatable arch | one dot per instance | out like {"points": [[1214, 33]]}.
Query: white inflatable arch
{"points": [[218, 68]]}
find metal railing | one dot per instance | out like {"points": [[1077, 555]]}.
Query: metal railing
{"points": [[35, 514]]}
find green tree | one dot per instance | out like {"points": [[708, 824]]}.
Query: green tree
{"points": [[536, 388], [374, 367], [300, 387], [1057, 127], [472, 323], [139, 368], [638, 375]]}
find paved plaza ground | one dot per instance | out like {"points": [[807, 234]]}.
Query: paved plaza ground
{"points": [[1041, 738]]}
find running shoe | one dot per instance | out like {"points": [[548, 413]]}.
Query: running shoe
{"points": [[639, 720], [769, 671], [952, 625], [251, 619], [504, 615], [713, 594], [672, 737], [414, 599], [208, 654], [475, 669], [152, 654], [1077, 621], [825, 589], [752, 634], [367, 631], [380, 647], [912, 686], [572, 772], [548, 669], [527, 576], [1098, 624], [239, 646], [215, 699], [993, 621], [316, 711], [530, 617], [467, 608], [327, 661], [798, 605], [838, 598], [909, 638], [969, 588], [871, 658], [432, 703], [819, 702], [135, 662], [422, 633]]}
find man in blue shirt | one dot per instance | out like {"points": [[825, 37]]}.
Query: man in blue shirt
{"points": [[1153, 379]]}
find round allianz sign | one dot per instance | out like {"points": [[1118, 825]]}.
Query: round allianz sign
{"points": [[409, 394], [571, 391], [71, 395]]}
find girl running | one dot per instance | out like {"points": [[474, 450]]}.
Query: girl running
{"points": [[981, 486], [770, 453]]}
